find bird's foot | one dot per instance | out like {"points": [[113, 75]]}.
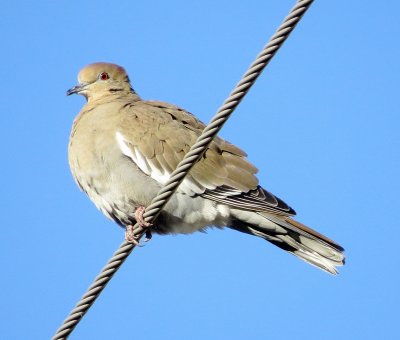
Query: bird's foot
{"points": [[132, 234], [140, 219]]}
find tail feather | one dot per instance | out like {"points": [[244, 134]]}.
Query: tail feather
{"points": [[297, 239]]}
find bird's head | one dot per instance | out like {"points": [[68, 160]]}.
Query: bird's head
{"points": [[100, 79]]}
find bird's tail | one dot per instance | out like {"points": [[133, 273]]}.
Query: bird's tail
{"points": [[295, 238]]}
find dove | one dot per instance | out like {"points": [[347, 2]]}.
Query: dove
{"points": [[122, 150]]}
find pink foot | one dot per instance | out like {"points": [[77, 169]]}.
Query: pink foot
{"points": [[139, 217], [131, 234]]}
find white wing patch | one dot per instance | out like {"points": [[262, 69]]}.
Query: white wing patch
{"points": [[188, 186], [160, 175]]}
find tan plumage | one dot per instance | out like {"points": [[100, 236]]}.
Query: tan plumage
{"points": [[122, 150]]}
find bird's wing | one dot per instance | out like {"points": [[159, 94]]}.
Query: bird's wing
{"points": [[156, 136]]}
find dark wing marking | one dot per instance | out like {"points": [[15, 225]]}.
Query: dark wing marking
{"points": [[255, 200]]}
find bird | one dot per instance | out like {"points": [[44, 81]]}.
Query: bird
{"points": [[122, 150]]}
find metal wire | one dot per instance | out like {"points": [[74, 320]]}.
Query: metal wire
{"points": [[177, 176]]}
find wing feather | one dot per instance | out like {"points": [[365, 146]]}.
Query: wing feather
{"points": [[156, 136]]}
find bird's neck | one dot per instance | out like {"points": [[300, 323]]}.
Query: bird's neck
{"points": [[113, 94]]}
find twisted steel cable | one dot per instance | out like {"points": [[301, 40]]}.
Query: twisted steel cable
{"points": [[177, 176]]}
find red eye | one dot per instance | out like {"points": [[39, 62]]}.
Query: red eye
{"points": [[104, 76]]}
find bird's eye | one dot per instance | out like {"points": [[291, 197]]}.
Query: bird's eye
{"points": [[104, 76]]}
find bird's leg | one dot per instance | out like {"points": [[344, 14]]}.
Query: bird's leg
{"points": [[131, 233], [140, 219]]}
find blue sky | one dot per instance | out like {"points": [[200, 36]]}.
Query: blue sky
{"points": [[321, 124]]}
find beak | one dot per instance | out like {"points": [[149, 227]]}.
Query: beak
{"points": [[76, 89]]}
